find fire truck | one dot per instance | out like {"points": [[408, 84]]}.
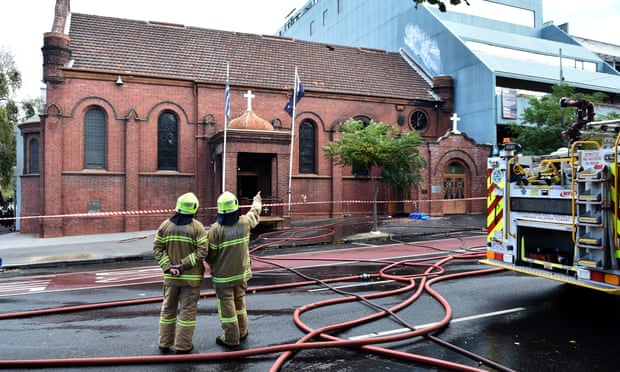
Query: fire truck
{"points": [[559, 219]]}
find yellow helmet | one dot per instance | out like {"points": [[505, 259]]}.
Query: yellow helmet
{"points": [[187, 203], [227, 203]]}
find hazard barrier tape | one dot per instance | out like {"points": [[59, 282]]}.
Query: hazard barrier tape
{"points": [[95, 214], [166, 211]]}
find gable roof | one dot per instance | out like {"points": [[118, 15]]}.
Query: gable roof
{"points": [[176, 51]]}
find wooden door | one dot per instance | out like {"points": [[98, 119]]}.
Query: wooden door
{"points": [[454, 181]]}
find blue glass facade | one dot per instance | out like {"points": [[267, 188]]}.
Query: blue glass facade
{"points": [[510, 47]]}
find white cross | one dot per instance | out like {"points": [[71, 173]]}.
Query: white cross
{"points": [[455, 119], [249, 96]]}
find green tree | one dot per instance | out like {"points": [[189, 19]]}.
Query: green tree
{"points": [[378, 145], [544, 120], [10, 114]]}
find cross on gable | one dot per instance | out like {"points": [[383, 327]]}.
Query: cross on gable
{"points": [[249, 96], [455, 119]]}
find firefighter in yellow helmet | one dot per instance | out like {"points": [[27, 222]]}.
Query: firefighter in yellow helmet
{"points": [[229, 261], [180, 247]]}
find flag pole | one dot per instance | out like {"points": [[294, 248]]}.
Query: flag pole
{"points": [[290, 172], [226, 115]]}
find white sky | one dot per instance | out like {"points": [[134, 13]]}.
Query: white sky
{"points": [[24, 21]]}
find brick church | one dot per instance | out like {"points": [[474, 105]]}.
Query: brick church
{"points": [[134, 116]]}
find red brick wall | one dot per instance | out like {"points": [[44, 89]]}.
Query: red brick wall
{"points": [[159, 191], [460, 149], [31, 206], [132, 181]]}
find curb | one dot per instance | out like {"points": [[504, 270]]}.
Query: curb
{"points": [[94, 261]]}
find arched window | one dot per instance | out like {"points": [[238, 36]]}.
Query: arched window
{"points": [[95, 139], [363, 118], [33, 156], [307, 147], [167, 141]]}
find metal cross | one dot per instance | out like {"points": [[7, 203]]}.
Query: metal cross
{"points": [[455, 119], [249, 96]]}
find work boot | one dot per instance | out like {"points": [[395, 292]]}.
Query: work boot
{"points": [[164, 349], [221, 342], [187, 351]]}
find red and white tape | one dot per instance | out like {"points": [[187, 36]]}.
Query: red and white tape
{"points": [[167, 211]]}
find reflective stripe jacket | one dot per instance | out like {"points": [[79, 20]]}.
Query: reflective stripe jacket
{"points": [[181, 244], [229, 257]]}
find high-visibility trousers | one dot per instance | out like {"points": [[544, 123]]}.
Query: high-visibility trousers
{"points": [[232, 313], [177, 320]]}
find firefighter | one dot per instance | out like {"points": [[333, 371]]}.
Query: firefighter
{"points": [[229, 261], [180, 247]]}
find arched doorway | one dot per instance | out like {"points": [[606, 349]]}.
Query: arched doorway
{"points": [[454, 181]]}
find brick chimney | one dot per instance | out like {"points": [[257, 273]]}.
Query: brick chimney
{"points": [[56, 51], [443, 86]]}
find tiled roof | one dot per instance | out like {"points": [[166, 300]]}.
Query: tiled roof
{"points": [[176, 51]]}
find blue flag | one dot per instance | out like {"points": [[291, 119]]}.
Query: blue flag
{"points": [[227, 98], [295, 97]]}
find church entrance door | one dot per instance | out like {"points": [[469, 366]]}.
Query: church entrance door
{"points": [[454, 181]]}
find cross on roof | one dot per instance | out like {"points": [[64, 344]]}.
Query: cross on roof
{"points": [[455, 119], [249, 96]]}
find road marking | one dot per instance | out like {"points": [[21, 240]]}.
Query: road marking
{"points": [[18, 286], [130, 275], [364, 244], [463, 319]]}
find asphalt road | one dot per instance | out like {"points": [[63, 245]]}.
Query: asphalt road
{"points": [[522, 323]]}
